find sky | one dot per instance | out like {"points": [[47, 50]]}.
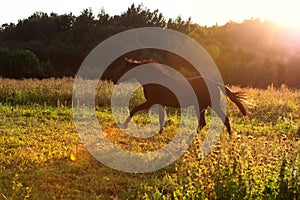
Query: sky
{"points": [[203, 12]]}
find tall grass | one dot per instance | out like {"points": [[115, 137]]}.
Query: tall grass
{"points": [[50, 92]]}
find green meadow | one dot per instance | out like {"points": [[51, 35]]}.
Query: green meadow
{"points": [[42, 156]]}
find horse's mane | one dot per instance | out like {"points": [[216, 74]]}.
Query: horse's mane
{"points": [[140, 62], [150, 61]]}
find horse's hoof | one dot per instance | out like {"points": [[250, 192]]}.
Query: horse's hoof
{"points": [[123, 126]]}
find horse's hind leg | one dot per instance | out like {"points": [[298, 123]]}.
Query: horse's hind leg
{"points": [[143, 106], [227, 124], [224, 117]]}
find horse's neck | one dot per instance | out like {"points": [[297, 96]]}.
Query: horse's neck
{"points": [[161, 69], [168, 73], [165, 71]]}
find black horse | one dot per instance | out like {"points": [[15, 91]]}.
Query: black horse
{"points": [[158, 94]]}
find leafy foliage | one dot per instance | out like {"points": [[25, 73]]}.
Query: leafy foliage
{"points": [[251, 53], [20, 64]]}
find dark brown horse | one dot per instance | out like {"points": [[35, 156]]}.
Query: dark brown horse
{"points": [[158, 94]]}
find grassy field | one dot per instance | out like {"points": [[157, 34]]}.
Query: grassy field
{"points": [[42, 157]]}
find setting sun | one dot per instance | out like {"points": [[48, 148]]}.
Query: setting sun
{"points": [[211, 12], [285, 13]]}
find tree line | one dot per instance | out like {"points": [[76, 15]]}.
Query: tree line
{"points": [[251, 53]]}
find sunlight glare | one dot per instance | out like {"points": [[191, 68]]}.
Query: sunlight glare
{"points": [[285, 13]]}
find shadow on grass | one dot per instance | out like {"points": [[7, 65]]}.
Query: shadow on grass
{"points": [[79, 176]]}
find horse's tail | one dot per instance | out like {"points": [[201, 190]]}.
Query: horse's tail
{"points": [[236, 98]]}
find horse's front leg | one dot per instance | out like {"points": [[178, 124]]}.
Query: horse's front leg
{"points": [[161, 116], [143, 106]]}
